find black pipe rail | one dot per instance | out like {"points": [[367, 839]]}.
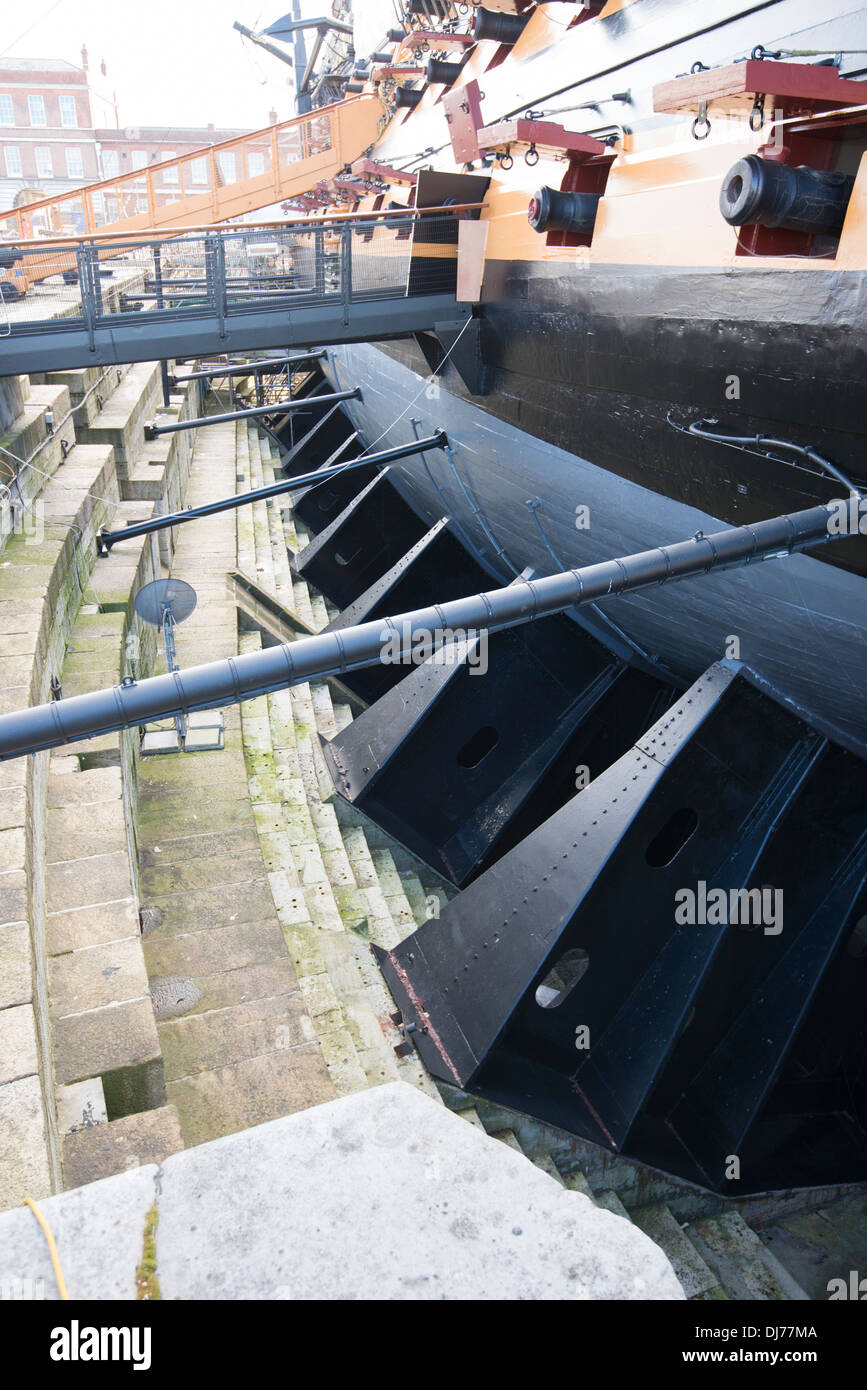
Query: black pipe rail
{"points": [[278, 408], [106, 539], [251, 368], [329, 653]]}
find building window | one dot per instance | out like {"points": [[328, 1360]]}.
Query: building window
{"points": [[68, 113], [139, 159], [200, 171], [255, 164], [226, 162], [44, 165], [110, 167], [13, 163], [36, 109], [7, 111], [74, 164], [170, 175]]}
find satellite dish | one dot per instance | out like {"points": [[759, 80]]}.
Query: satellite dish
{"points": [[164, 603], [165, 598]]}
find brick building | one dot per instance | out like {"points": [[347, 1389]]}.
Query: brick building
{"points": [[57, 133]]}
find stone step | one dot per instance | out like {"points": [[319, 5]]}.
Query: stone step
{"points": [[696, 1277], [415, 896], [126, 409], [744, 1268], [577, 1182], [89, 388], [102, 1149], [507, 1136], [232, 1020], [102, 1020], [821, 1245], [609, 1199], [32, 451], [306, 899]]}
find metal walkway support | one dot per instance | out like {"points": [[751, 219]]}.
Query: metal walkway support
{"points": [[107, 538], [257, 673], [146, 297], [659, 966]]}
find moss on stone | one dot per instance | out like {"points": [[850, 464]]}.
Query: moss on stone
{"points": [[146, 1283]]}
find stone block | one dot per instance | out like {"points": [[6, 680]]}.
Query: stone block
{"points": [[16, 969], [93, 978], [19, 1055], [24, 1167], [123, 1144]]}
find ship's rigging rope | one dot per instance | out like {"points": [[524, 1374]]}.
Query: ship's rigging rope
{"points": [[535, 506]]}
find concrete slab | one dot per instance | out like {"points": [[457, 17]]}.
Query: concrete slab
{"points": [[102, 1265], [384, 1195]]}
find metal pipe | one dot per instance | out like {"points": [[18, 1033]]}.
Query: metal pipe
{"points": [[263, 43], [106, 539], [329, 653], [249, 368], [279, 407]]}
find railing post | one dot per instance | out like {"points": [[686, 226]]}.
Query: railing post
{"points": [[158, 286], [87, 293], [220, 281], [346, 267], [319, 262]]}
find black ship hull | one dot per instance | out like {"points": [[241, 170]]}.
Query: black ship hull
{"points": [[792, 624]]}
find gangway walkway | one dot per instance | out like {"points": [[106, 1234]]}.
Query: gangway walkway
{"points": [[212, 184], [347, 278]]}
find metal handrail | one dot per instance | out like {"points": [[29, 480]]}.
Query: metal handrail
{"points": [[305, 224]]}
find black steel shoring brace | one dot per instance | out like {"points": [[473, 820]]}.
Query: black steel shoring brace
{"points": [[242, 677], [251, 368], [278, 408], [106, 539]]}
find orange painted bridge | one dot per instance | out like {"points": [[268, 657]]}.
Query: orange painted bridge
{"points": [[214, 184]]}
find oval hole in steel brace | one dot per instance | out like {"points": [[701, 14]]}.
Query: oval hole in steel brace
{"points": [[562, 978], [477, 748]]}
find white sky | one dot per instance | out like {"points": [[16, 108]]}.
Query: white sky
{"points": [[171, 62]]}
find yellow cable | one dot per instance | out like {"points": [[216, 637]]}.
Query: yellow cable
{"points": [[52, 1248]]}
